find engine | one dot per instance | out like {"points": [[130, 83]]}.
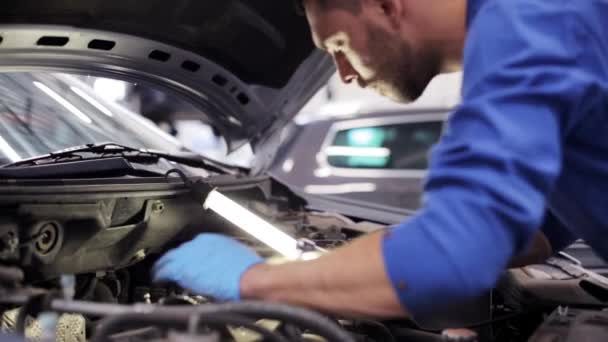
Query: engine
{"points": [[76, 267]]}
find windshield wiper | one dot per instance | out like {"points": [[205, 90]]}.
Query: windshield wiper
{"points": [[112, 150]]}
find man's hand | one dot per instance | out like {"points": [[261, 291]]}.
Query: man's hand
{"points": [[208, 265]]}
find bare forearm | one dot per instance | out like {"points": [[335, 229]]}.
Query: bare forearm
{"points": [[350, 281], [538, 252]]}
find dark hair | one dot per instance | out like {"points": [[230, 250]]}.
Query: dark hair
{"points": [[299, 6]]}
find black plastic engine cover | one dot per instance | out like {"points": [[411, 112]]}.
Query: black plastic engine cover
{"points": [[74, 238], [568, 325], [544, 287], [55, 227]]}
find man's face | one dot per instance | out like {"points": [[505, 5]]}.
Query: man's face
{"points": [[369, 47]]}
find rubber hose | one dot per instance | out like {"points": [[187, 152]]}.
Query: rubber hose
{"points": [[11, 275], [302, 318], [114, 324]]}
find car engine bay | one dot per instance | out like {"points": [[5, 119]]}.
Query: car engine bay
{"points": [[76, 257]]}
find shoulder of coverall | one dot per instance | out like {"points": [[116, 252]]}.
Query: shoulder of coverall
{"points": [[579, 30]]}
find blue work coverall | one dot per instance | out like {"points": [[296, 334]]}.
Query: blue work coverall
{"points": [[528, 145]]}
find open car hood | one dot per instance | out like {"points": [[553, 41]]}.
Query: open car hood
{"points": [[249, 65]]}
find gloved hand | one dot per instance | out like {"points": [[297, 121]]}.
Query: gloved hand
{"points": [[211, 264]]}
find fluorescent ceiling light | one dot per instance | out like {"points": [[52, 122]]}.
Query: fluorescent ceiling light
{"points": [[9, 151], [62, 101], [92, 101], [110, 89], [253, 225], [345, 151]]}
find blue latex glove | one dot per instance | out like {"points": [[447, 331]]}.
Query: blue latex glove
{"points": [[211, 265]]}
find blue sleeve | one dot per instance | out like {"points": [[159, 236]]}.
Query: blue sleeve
{"points": [[499, 158]]}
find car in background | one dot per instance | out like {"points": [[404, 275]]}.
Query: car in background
{"points": [[376, 156]]}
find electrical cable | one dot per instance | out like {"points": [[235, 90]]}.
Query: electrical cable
{"points": [[114, 324], [187, 182], [495, 320]]}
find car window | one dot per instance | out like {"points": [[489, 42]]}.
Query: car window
{"points": [[42, 113], [397, 146]]}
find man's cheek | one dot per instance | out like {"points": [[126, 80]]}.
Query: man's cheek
{"points": [[362, 64]]}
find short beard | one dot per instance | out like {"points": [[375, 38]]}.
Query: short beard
{"points": [[403, 73]]}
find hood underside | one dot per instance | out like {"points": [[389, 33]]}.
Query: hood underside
{"points": [[249, 65]]}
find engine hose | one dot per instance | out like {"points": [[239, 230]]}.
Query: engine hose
{"points": [[302, 318], [21, 318], [292, 332], [11, 275], [384, 330], [117, 323]]}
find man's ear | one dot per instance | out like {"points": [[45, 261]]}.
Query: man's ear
{"points": [[392, 10]]}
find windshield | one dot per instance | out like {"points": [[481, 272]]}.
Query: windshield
{"points": [[42, 113]]}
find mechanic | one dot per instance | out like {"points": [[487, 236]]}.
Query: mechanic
{"points": [[526, 152]]}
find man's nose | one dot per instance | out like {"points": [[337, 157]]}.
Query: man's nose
{"points": [[348, 74]]}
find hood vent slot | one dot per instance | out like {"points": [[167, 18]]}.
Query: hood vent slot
{"points": [[104, 45], [52, 41], [161, 56], [243, 99], [191, 66], [219, 80]]}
